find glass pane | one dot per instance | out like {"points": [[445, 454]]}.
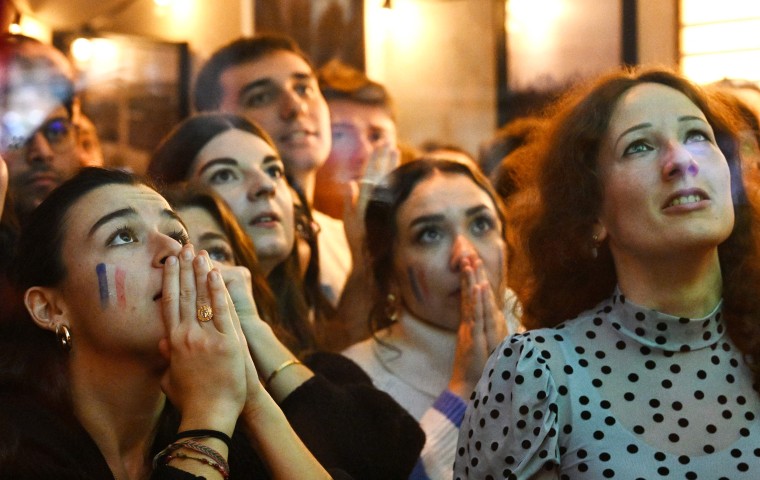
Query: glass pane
{"points": [[710, 11], [552, 41], [741, 35], [709, 68]]}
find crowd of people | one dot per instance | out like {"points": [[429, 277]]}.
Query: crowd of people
{"points": [[292, 291]]}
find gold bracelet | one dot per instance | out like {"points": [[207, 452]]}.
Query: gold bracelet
{"points": [[281, 367]]}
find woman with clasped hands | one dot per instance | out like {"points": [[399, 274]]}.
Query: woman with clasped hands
{"points": [[131, 363]]}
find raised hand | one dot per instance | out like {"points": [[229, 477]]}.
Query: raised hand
{"points": [[205, 377], [382, 161], [481, 329]]}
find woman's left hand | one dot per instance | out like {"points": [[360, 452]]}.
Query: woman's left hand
{"points": [[481, 330], [205, 377]]}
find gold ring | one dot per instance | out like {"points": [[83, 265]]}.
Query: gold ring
{"points": [[205, 313]]}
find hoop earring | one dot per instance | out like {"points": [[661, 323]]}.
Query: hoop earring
{"points": [[391, 308], [63, 335], [595, 246]]}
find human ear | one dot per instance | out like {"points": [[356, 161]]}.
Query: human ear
{"points": [[44, 306]]}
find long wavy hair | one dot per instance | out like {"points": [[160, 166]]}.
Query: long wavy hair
{"points": [[564, 279], [381, 226]]}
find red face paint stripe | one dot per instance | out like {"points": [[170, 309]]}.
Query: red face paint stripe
{"points": [[121, 296]]}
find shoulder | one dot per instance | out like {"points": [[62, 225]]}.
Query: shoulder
{"points": [[39, 441]]}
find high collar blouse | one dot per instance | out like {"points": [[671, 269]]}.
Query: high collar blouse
{"points": [[621, 391]]}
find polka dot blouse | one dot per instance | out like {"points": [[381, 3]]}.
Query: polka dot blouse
{"points": [[619, 392]]}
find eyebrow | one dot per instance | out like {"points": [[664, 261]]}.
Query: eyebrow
{"points": [[436, 217], [218, 161], [130, 212], [123, 212], [213, 236], [268, 82], [641, 126]]}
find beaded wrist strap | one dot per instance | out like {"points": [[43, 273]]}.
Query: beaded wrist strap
{"points": [[204, 433], [216, 460], [281, 367], [219, 468]]}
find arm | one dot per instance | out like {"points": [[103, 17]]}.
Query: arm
{"points": [[517, 384], [196, 351], [330, 402]]}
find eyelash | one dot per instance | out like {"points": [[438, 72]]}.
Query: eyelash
{"points": [[119, 231], [180, 236]]}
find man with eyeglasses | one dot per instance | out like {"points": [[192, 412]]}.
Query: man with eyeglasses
{"points": [[37, 137]]}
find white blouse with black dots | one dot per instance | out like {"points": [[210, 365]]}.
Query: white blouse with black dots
{"points": [[619, 392]]}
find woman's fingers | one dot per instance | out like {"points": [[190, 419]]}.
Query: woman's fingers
{"points": [[188, 310], [201, 268], [221, 303], [170, 293]]}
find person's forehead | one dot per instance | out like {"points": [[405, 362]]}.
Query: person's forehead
{"points": [[350, 111], [108, 198], [277, 65]]}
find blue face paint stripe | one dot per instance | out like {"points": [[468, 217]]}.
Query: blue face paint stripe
{"points": [[102, 283], [414, 285]]}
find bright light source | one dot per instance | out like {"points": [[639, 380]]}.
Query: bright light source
{"points": [[81, 49]]}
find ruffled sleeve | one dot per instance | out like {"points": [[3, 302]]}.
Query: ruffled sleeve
{"points": [[510, 427]]}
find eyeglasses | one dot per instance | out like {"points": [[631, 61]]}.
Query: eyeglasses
{"points": [[58, 132]]}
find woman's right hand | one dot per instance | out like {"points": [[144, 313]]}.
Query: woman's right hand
{"points": [[205, 377], [382, 161], [481, 329], [266, 350]]}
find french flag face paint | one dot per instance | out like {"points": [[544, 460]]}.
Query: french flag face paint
{"points": [[111, 285]]}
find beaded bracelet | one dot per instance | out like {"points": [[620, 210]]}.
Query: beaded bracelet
{"points": [[204, 433], [219, 468], [165, 455], [280, 368]]}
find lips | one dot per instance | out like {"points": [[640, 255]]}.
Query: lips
{"points": [[685, 197], [42, 178], [264, 219], [297, 136]]}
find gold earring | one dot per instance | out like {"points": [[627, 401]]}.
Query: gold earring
{"points": [[63, 335], [391, 308], [595, 246]]}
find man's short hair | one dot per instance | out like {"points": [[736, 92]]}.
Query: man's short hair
{"points": [[208, 93], [339, 81]]}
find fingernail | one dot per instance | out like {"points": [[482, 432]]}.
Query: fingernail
{"points": [[171, 260], [187, 254]]}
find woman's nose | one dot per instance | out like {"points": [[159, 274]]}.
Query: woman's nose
{"points": [[678, 161], [167, 246], [261, 185], [461, 248]]}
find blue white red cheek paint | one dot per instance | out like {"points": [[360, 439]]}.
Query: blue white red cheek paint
{"points": [[417, 283], [111, 280]]}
